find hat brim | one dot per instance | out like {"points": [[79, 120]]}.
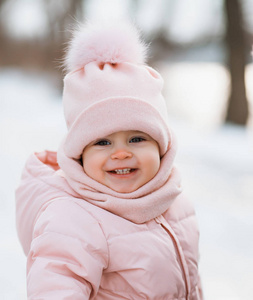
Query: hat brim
{"points": [[112, 115]]}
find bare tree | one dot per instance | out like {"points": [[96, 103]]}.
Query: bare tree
{"points": [[41, 51], [61, 15], [2, 30], [237, 111]]}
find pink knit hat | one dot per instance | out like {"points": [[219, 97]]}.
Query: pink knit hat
{"points": [[109, 88]]}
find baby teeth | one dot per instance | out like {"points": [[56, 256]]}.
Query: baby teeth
{"points": [[122, 171]]}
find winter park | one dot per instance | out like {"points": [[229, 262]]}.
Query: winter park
{"points": [[215, 156]]}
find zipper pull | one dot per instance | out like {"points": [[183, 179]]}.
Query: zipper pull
{"points": [[158, 220]]}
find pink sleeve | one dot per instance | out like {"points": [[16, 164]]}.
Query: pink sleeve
{"points": [[67, 255]]}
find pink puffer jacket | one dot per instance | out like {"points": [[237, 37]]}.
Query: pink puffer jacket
{"points": [[77, 250]]}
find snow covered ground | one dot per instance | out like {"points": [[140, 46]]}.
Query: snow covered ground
{"points": [[216, 164]]}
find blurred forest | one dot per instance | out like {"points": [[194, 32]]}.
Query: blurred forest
{"points": [[223, 33]]}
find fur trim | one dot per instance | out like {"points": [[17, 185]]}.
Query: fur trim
{"points": [[105, 44]]}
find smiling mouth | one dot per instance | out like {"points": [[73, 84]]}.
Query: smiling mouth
{"points": [[122, 171]]}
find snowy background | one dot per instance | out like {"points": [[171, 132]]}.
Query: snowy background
{"points": [[216, 160], [216, 164]]}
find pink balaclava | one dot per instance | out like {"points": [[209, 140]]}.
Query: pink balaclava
{"points": [[109, 88]]}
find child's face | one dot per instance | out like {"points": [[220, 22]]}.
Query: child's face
{"points": [[123, 161]]}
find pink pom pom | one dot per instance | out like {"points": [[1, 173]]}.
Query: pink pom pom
{"points": [[106, 44]]}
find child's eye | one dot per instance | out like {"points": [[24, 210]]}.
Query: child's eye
{"points": [[137, 139], [102, 143]]}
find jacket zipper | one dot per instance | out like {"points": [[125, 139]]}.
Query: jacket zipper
{"points": [[164, 224]]}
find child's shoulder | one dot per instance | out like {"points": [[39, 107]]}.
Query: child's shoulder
{"points": [[181, 210], [67, 215]]}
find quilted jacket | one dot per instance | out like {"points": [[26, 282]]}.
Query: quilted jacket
{"points": [[77, 250]]}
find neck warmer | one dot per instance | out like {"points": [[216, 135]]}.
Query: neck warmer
{"points": [[147, 202]]}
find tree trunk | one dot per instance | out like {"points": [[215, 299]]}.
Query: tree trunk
{"points": [[237, 111], [61, 16]]}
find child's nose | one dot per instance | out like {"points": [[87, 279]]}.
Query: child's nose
{"points": [[121, 154]]}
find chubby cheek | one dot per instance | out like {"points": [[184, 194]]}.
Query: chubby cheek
{"points": [[153, 164], [92, 167], [156, 166]]}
